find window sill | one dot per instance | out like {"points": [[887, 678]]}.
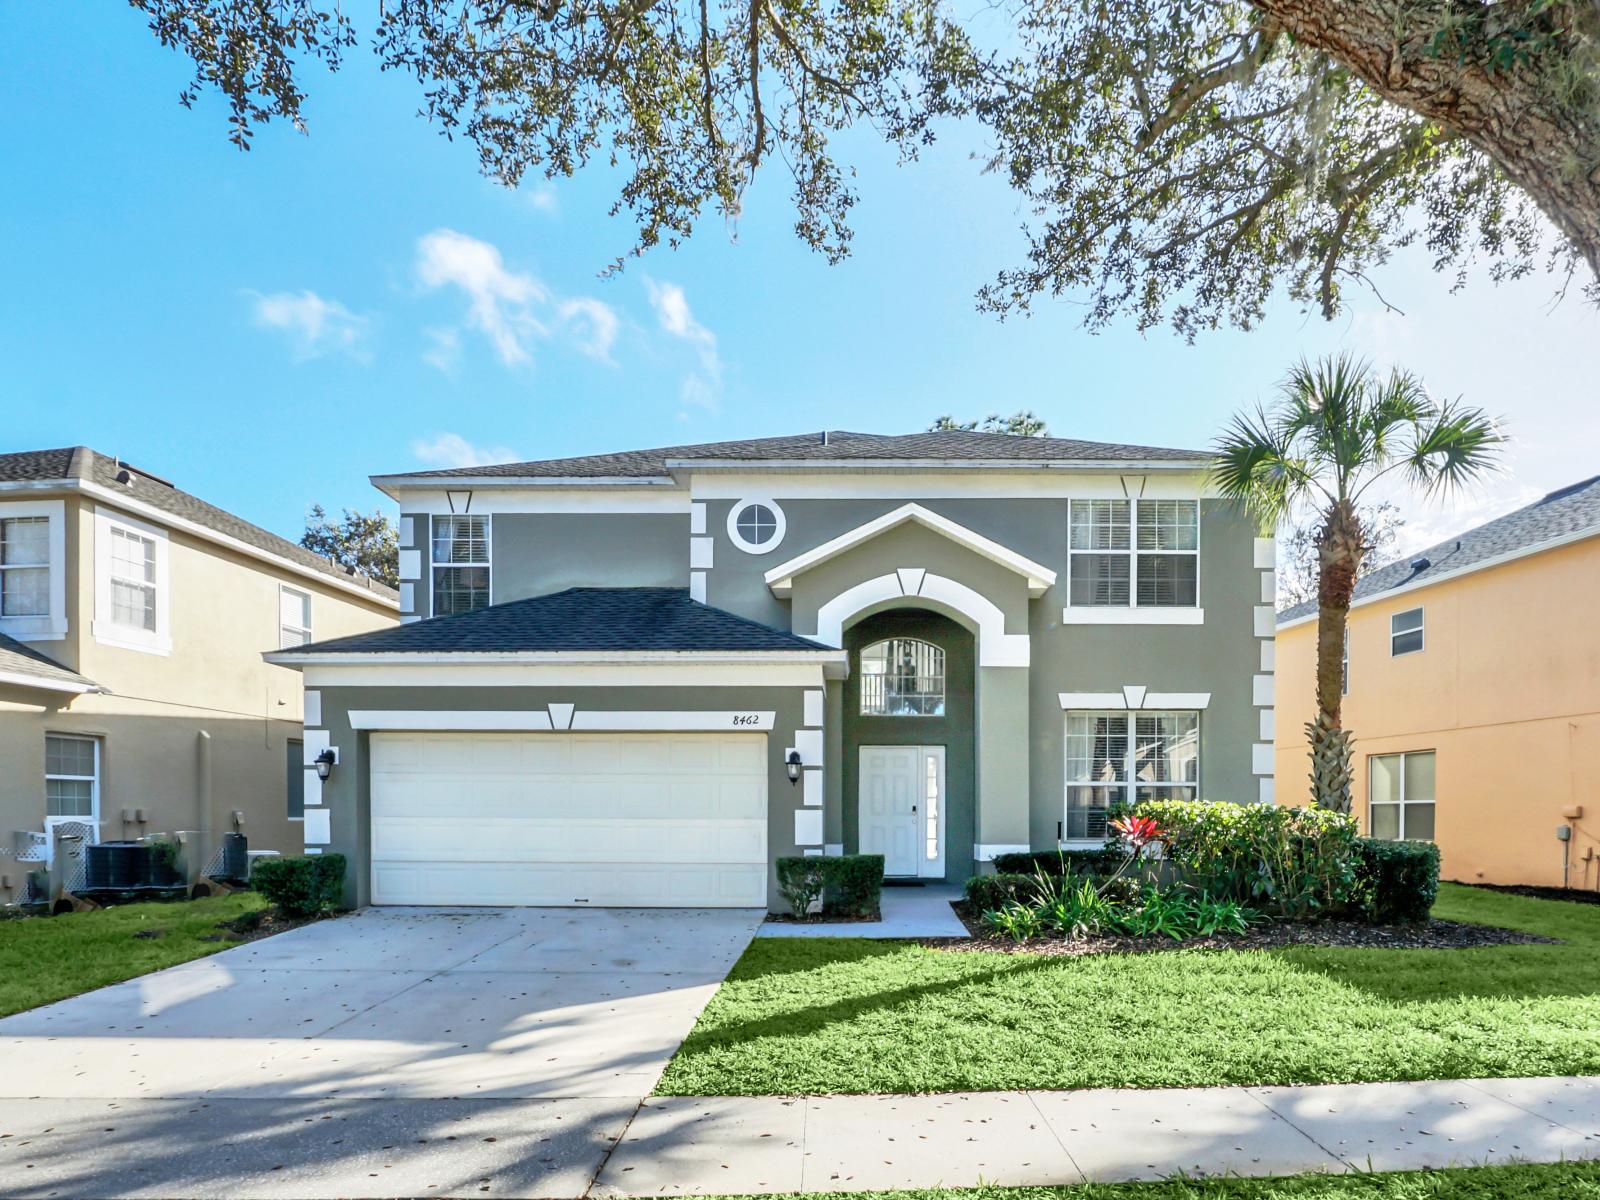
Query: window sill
{"points": [[139, 641], [1082, 844], [1132, 616]]}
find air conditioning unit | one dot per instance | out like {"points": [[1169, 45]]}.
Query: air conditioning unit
{"points": [[235, 856], [116, 866]]}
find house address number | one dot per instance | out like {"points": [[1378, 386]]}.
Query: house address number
{"points": [[746, 719]]}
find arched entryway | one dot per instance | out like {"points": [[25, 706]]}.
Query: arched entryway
{"points": [[909, 744]]}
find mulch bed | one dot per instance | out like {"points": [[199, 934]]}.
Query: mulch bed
{"points": [[257, 924], [1435, 935], [1578, 895]]}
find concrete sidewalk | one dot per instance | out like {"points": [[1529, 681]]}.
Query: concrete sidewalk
{"points": [[708, 1145], [904, 912]]}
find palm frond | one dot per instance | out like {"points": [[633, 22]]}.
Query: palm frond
{"points": [[1455, 445], [1253, 462]]}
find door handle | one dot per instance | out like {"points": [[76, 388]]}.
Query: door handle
{"points": [[913, 808]]}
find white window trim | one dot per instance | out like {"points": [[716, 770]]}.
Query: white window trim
{"points": [[1402, 803], [1133, 613], [1131, 784], [739, 540], [488, 554], [94, 783], [106, 631], [51, 626], [305, 597], [1421, 631]]}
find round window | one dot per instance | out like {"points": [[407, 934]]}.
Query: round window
{"points": [[755, 526]]}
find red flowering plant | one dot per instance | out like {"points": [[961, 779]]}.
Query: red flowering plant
{"points": [[1138, 834]]}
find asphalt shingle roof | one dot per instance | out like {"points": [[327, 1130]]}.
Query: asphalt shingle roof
{"points": [[17, 658], [929, 447], [1566, 511], [601, 619], [82, 463]]}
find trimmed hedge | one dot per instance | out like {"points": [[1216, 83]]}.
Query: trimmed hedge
{"points": [[849, 884], [301, 887], [1290, 862], [1101, 861], [1396, 881]]}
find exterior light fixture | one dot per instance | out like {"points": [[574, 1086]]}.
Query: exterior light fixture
{"points": [[793, 763], [324, 763]]}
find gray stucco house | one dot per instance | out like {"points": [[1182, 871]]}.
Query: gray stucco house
{"points": [[638, 678]]}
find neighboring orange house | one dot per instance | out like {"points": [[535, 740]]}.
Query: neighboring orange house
{"points": [[1472, 688]]}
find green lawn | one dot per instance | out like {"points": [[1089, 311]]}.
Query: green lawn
{"points": [[1564, 1181], [825, 1015], [43, 959]]}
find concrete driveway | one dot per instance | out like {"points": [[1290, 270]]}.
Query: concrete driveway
{"points": [[418, 1052]]}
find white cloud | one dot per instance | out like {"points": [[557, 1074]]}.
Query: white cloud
{"points": [[501, 300], [453, 450], [541, 197], [513, 309], [673, 314], [313, 325], [592, 324], [444, 348]]}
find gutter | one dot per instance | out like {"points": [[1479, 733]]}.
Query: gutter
{"points": [[821, 654], [52, 685]]}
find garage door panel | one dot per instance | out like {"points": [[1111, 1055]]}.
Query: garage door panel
{"points": [[561, 818]]}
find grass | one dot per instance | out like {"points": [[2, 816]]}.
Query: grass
{"points": [[44, 959], [823, 1015], [1556, 1181]]}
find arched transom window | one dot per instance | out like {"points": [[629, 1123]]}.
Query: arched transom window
{"points": [[902, 677]]}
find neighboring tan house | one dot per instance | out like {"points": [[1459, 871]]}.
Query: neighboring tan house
{"points": [[133, 697], [1472, 686], [648, 674]]}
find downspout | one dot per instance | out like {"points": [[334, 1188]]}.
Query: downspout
{"points": [[203, 798]]}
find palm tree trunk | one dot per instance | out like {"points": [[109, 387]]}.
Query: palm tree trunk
{"points": [[1340, 548]]}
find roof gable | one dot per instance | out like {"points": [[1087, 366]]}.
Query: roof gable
{"points": [[1039, 577]]}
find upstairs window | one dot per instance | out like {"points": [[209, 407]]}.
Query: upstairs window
{"points": [[1405, 633], [1115, 759], [294, 617], [25, 567], [902, 677], [1134, 553], [460, 564], [131, 600]]}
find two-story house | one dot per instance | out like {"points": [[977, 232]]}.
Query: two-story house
{"points": [[133, 697], [1472, 688], [637, 678]]}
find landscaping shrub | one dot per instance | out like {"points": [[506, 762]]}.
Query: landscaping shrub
{"points": [[985, 893], [1099, 861], [1291, 862], [855, 885], [850, 884], [301, 887], [1080, 908], [800, 882], [1396, 881]]}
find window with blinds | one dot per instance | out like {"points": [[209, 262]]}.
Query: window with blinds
{"points": [[1139, 553], [902, 677], [460, 564], [1115, 759]]}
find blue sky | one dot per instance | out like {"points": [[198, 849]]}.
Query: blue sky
{"points": [[268, 329]]}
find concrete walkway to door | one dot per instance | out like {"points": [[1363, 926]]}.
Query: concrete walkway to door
{"points": [[904, 912], [417, 1052]]}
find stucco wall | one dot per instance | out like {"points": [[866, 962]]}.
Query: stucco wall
{"points": [[1506, 692], [223, 612]]}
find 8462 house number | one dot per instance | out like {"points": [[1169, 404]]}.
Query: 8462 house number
{"points": [[746, 719]]}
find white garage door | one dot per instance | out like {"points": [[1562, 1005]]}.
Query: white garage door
{"points": [[666, 819]]}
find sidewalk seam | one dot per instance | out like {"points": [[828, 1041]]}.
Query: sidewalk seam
{"points": [[1254, 1094], [1476, 1085], [1033, 1099], [612, 1149]]}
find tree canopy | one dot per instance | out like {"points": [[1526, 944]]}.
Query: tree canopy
{"points": [[365, 543], [1179, 159], [1024, 423]]}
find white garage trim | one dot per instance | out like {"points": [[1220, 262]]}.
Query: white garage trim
{"points": [[526, 720], [709, 722], [536, 721], [638, 819]]}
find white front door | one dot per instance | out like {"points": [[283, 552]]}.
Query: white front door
{"points": [[901, 808]]}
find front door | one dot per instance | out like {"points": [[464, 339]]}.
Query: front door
{"points": [[901, 802]]}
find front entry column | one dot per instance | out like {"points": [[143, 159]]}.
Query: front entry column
{"points": [[1002, 767]]}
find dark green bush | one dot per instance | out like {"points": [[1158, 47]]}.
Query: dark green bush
{"points": [[850, 884], [986, 893], [854, 885], [1099, 861], [800, 881], [1289, 862], [301, 887], [1396, 881]]}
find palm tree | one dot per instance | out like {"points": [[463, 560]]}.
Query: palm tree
{"points": [[1336, 430]]}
